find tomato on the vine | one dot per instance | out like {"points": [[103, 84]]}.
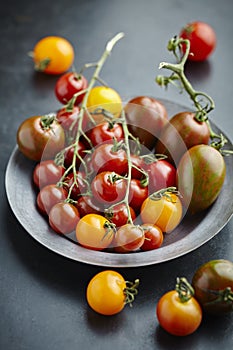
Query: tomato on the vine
{"points": [[146, 117], [128, 238], [49, 196], [178, 312], [87, 205], [137, 194], [40, 137], [119, 214], [107, 292], [53, 55], [164, 211], [69, 84], [181, 133], [202, 39], [46, 173], [69, 155], [94, 231], [109, 157], [213, 286], [108, 187], [162, 174], [103, 97], [75, 184], [69, 119], [153, 237], [105, 132], [63, 217]]}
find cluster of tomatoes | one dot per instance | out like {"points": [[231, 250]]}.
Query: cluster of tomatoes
{"points": [[180, 310]]}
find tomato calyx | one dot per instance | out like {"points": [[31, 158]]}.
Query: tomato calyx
{"points": [[184, 289], [131, 291], [225, 296], [47, 120], [166, 193], [40, 66]]}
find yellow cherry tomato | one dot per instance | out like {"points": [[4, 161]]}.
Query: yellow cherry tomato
{"points": [[105, 292], [106, 98], [53, 55], [165, 212], [94, 231]]}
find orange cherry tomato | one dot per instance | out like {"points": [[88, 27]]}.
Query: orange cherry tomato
{"points": [[53, 55], [179, 313], [166, 212], [107, 292], [94, 231]]}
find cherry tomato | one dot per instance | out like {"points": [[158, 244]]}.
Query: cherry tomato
{"points": [[146, 117], [108, 157], [40, 137], [213, 285], [87, 205], [178, 315], [108, 187], [105, 132], [153, 237], [106, 98], [63, 217], [107, 292], [46, 173], [69, 155], [94, 231], [69, 120], [79, 187], [166, 212], [128, 238], [119, 214], [181, 133], [49, 196], [162, 174], [137, 194], [53, 55], [69, 84], [200, 177], [138, 165], [202, 39]]}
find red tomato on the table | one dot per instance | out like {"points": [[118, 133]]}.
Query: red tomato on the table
{"points": [[202, 39]]}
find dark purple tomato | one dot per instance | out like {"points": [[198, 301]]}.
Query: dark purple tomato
{"points": [[213, 285]]}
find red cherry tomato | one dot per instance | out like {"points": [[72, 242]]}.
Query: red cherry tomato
{"points": [[107, 157], [202, 39], [79, 187], [128, 238], [138, 162], [137, 194], [153, 237], [49, 196], [119, 214], [162, 174], [46, 173], [108, 187], [105, 132], [69, 120], [63, 217], [69, 84], [87, 205], [69, 154]]}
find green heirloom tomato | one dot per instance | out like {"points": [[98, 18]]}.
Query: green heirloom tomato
{"points": [[200, 177], [213, 285]]}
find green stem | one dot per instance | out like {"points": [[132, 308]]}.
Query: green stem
{"points": [[178, 74], [98, 66], [184, 289]]}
